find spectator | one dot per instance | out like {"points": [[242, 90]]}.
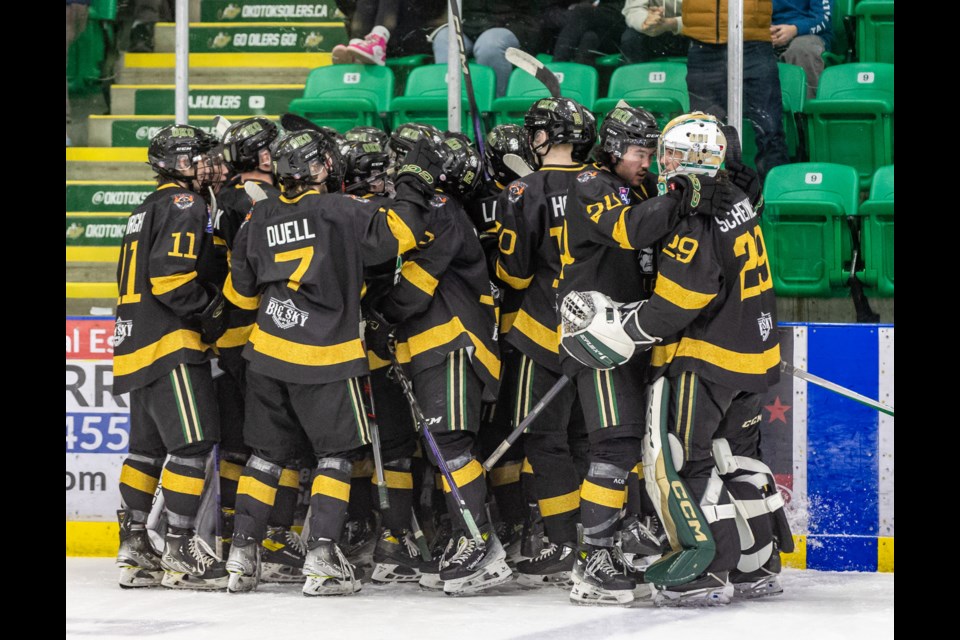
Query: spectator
{"points": [[489, 28], [413, 21], [591, 29], [653, 30], [705, 23], [146, 14], [801, 32], [378, 18], [77, 11]]}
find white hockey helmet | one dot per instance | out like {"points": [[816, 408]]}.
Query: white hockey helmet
{"points": [[695, 141]]}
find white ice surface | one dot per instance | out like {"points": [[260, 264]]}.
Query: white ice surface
{"points": [[815, 605]]}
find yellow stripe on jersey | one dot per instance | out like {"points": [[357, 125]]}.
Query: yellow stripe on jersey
{"points": [[546, 337], [165, 284], [376, 362], [507, 474], [396, 479], [236, 337], [182, 484], [418, 277], [559, 504], [444, 334], [513, 281], [230, 470], [250, 303], [620, 230], [138, 479], [487, 300], [298, 198], [331, 487], [401, 232], [290, 478], [527, 467], [596, 494], [302, 354], [680, 296], [465, 475], [124, 365], [259, 491], [506, 321], [750, 363]]}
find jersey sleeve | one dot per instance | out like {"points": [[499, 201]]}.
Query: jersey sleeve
{"points": [[174, 254], [632, 226], [688, 279], [518, 236], [391, 229], [241, 285]]}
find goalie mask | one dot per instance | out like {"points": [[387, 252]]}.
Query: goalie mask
{"points": [[691, 144], [591, 330], [246, 143]]}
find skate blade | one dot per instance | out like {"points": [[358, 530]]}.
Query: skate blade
{"points": [[759, 589], [493, 574], [532, 581], [431, 582], [390, 573], [239, 583], [329, 586], [281, 574], [717, 597], [176, 580], [136, 577], [588, 595]]}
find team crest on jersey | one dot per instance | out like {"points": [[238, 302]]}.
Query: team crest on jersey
{"points": [[624, 194], [516, 190], [765, 322], [183, 200], [122, 330], [438, 200], [586, 176], [285, 314]]}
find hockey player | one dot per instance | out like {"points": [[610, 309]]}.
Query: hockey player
{"points": [[443, 312], [169, 315], [612, 214], [367, 134], [299, 261], [247, 153], [712, 324], [530, 219]]}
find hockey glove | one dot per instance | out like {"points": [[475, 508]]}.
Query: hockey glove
{"points": [[641, 338], [379, 333], [701, 195], [423, 167], [748, 181], [592, 330], [213, 319]]}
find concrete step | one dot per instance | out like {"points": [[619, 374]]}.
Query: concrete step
{"points": [[108, 163], [95, 237], [254, 37], [136, 131], [220, 68], [226, 100], [99, 196], [272, 10]]}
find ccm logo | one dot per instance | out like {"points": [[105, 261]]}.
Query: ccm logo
{"points": [[688, 510]]}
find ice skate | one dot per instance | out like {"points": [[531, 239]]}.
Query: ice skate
{"points": [[281, 555], [709, 590], [597, 581], [243, 565], [138, 561], [328, 571], [468, 567], [189, 564], [396, 558], [552, 566]]}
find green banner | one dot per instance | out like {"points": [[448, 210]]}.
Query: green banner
{"points": [[99, 231], [226, 101], [268, 11], [133, 132], [106, 196], [313, 38]]}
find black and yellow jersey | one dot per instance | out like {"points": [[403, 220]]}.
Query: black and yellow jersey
{"points": [[608, 225], [234, 205], [443, 299], [482, 206], [299, 262], [530, 214], [166, 255], [713, 303]]}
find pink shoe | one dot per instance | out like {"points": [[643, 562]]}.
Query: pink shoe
{"points": [[342, 54], [371, 50]]}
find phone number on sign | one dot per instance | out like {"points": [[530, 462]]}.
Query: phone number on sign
{"points": [[98, 432]]}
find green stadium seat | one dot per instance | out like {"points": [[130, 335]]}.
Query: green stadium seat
{"points": [[793, 90], [402, 67], [577, 81], [851, 119], [877, 235], [874, 30], [425, 97], [658, 87], [805, 227], [844, 33], [344, 96]]}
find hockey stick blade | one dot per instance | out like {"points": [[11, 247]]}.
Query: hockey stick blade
{"points": [[255, 191], [516, 164], [523, 60], [220, 126], [293, 122]]}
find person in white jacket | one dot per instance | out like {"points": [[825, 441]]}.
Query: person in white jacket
{"points": [[653, 30]]}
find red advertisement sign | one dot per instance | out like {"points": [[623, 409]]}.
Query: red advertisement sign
{"points": [[89, 338]]}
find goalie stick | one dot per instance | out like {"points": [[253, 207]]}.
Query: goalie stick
{"points": [[523, 60], [836, 388]]}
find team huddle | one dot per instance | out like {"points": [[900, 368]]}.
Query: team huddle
{"points": [[392, 312]]}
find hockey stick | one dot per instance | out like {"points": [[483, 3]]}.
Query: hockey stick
{"points": [[293, 122], [375, 444], [255, 191], [419, 537], [836, 388], [468, 81], [523, 60], [434, 447], [220, 126], [517, 164], [530, 417]]}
